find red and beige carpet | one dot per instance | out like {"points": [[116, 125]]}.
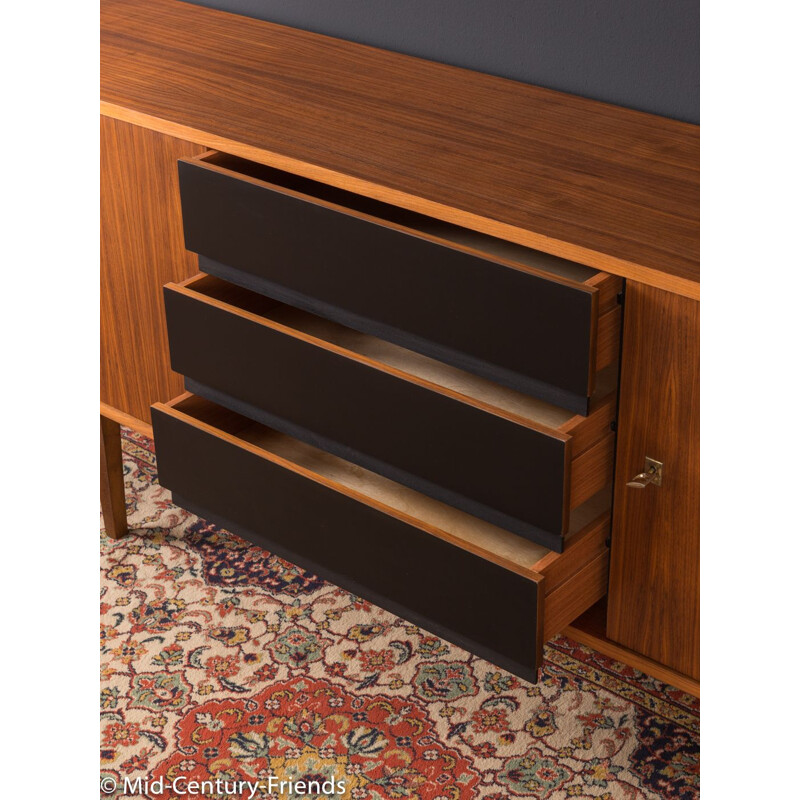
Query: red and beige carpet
{"points": [[221, 662]]}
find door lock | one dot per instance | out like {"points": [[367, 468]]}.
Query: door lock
{"points": [[653, 472]]}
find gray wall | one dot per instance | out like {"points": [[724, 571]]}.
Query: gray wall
{"points": [[642, 54]]}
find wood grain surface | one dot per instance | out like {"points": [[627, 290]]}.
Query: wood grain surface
{"points": [[654, 589], [120, 417], [141, 249], [592, 470], [590, 629], [609, 187], [575, 595], [112, 484], [584, 547]]}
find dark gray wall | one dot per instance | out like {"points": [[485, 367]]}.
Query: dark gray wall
{"points": [[643, 54]]}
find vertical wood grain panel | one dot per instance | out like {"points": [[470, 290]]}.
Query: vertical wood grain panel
{"points": [[112, 482], [141, 249], [654, 597]]}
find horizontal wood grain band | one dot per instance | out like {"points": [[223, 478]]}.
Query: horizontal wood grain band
{"points": [[606, 186], [563, 249]]}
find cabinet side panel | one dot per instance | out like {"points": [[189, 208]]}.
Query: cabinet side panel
{"points": [[654, 591], [141, 249]]}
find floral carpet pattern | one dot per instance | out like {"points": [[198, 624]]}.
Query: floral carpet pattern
{"points": [[221, 661]]}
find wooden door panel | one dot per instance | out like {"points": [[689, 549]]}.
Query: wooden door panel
{"points": [[654, 593]]}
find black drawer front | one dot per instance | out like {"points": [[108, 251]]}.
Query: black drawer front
{"points": [[488, 466], [525, 331], [459, 596]]}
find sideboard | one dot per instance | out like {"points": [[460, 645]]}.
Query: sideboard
{"points": [[478, 297]]}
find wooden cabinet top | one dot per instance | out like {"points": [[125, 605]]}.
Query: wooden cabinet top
{"points": [[606, 186]]}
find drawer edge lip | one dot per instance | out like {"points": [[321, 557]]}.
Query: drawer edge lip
{"points": [[571, 401], [396, 608], [552, 540], [408, 519], [200, 161]]}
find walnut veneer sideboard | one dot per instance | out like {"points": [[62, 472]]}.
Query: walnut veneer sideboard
{"points": [[430, 333]]}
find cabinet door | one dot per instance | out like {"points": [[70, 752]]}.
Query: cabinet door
{"points": [[654, 592]]}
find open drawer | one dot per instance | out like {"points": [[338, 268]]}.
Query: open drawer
{"points": [[533, 322], [513, 460], [478, 586]]}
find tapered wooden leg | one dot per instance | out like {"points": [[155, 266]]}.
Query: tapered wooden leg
{"points": [[112, 485]]}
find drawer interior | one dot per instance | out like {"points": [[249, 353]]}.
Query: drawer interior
{"points": [[473, 534], [380, 354]]}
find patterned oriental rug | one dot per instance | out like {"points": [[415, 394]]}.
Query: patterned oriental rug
{"points": [[223, 663]]}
